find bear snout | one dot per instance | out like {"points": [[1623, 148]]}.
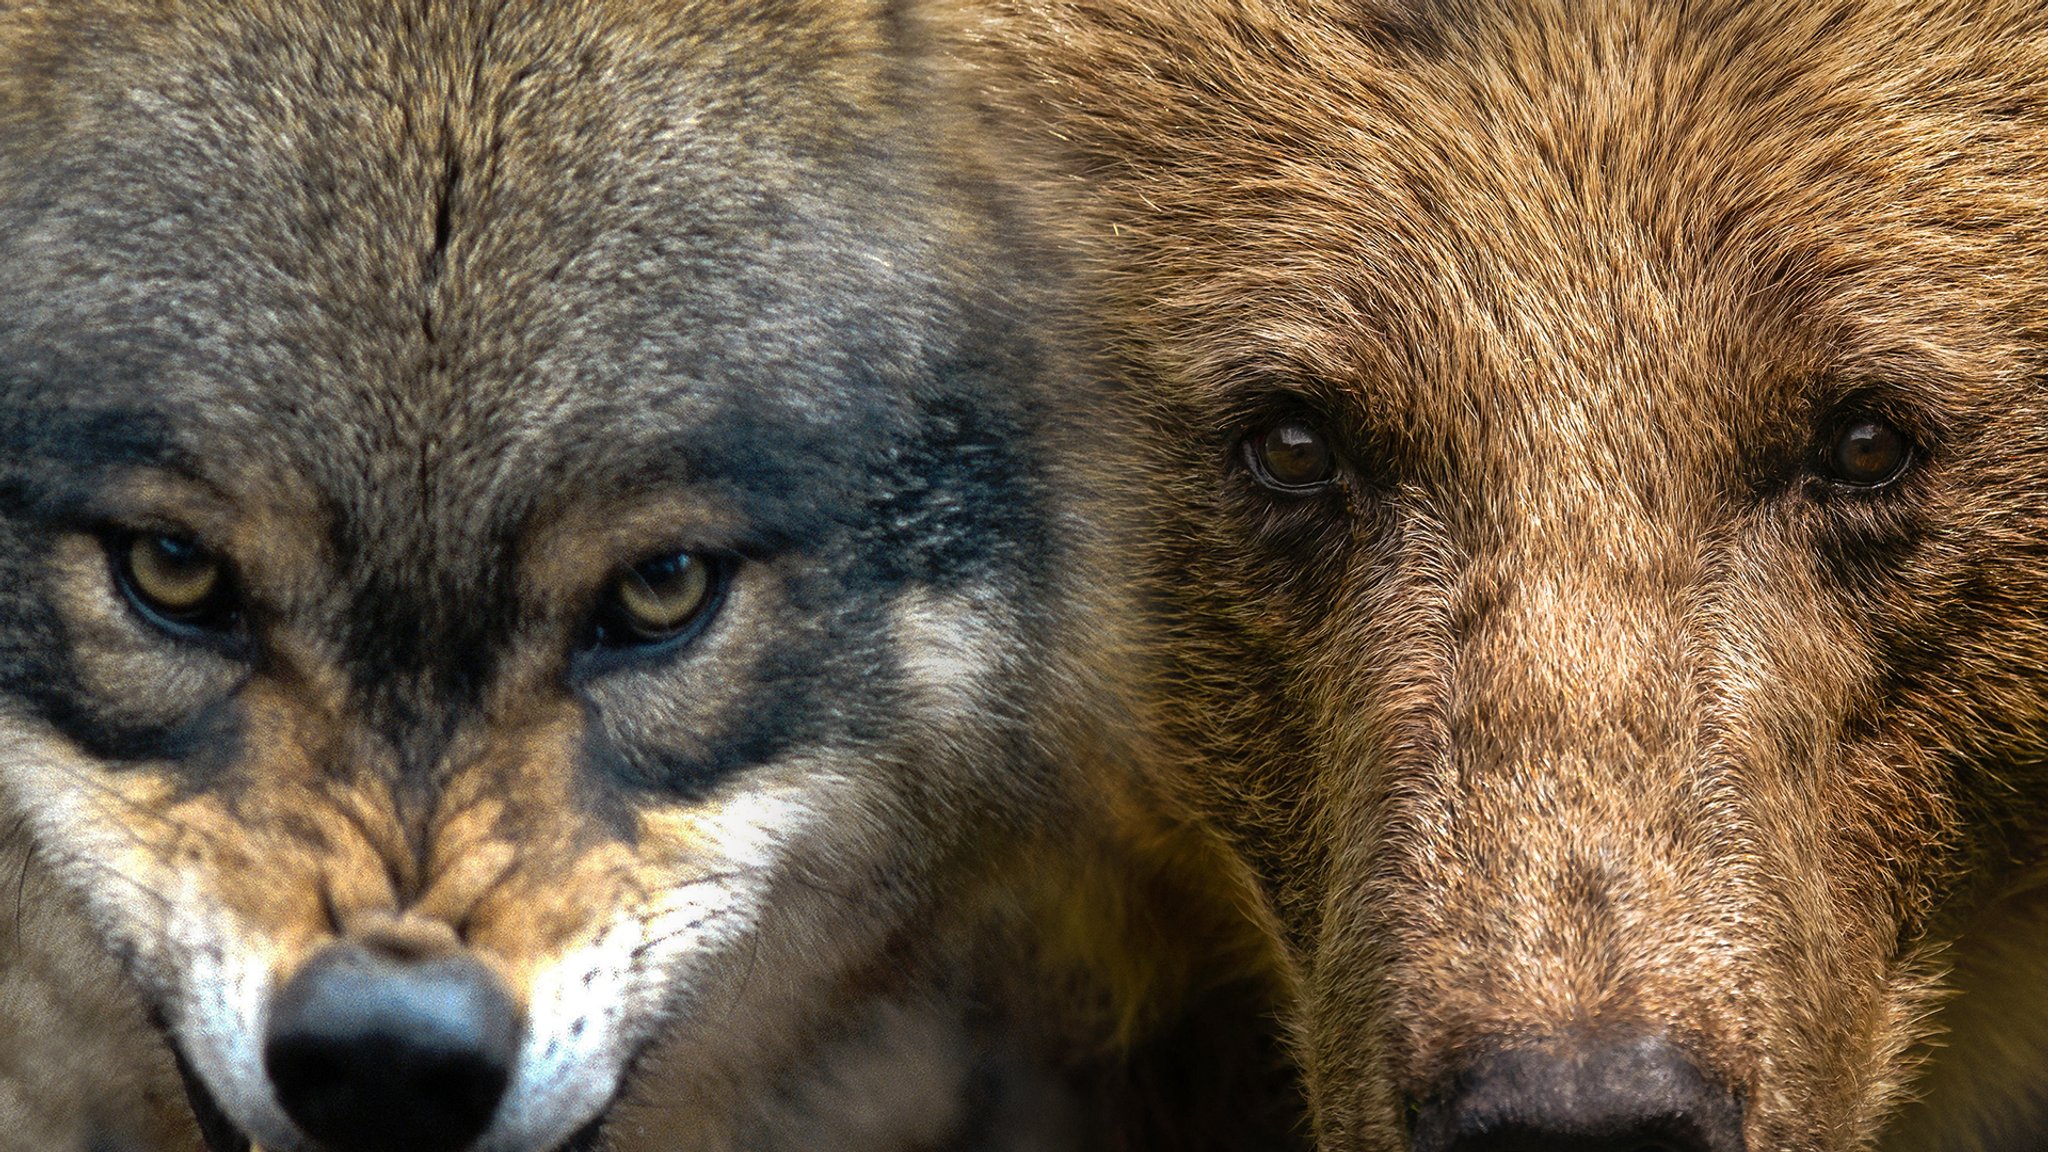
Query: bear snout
{"points": [[1584, 1093]]}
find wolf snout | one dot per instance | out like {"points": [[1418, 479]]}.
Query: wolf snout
{"points": [[372, 1052], [1588, 1094]]}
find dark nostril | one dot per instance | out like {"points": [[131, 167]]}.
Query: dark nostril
{"points": [[1583, 1094], [373, 1053]]}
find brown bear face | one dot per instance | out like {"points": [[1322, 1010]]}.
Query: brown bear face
{"points": [[1601, 471]]}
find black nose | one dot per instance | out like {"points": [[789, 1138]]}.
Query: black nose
{"points": [[1642, 1094], [371, 1053]]}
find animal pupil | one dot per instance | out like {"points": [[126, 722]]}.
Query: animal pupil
{"points": [[1291, 456], [172, 576], [657, 599], [1869, 452]]}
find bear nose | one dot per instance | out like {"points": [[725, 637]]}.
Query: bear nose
{"points": [[374, 1053], [1642, 1094]]}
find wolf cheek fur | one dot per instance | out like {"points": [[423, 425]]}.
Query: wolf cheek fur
{"points": [[525, 529], [1643, 711]]}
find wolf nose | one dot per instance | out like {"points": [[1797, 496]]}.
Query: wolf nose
{"points": [[372, 1053], [1639, 1095]]}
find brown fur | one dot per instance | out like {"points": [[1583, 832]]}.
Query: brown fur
{"points": [[79, 1066], [1583, 705]]}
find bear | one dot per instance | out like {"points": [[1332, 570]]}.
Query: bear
{"points": [[1597, 547]]}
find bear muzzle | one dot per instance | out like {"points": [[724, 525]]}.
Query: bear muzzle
{"points": [[1583, 1093]]}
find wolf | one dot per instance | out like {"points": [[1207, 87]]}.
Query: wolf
{"points": [[1599, 542], [542, 541]]}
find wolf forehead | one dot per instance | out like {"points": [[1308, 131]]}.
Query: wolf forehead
{"points": [[346, 274], [438, 265]]}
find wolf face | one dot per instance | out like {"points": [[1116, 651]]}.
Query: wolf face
{"points": [[520, 527], [1600, 540]]}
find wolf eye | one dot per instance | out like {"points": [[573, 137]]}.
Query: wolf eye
{"points": [[1867, 452], [1290, 456], [174, 581], [656, 600]]}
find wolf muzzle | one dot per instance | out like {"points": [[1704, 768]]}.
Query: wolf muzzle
{"points": [[373, 1052]]}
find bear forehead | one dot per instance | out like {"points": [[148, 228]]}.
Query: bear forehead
{"points": [[1501, 204]]}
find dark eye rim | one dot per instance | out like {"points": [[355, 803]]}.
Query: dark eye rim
{"points": [[1248, 452], [215, 622], [609, 653], [1840, 425]]}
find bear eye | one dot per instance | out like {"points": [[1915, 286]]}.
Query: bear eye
{"points": [[1867, 452], [656, 600], [1290, 456], [174, 581]]}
